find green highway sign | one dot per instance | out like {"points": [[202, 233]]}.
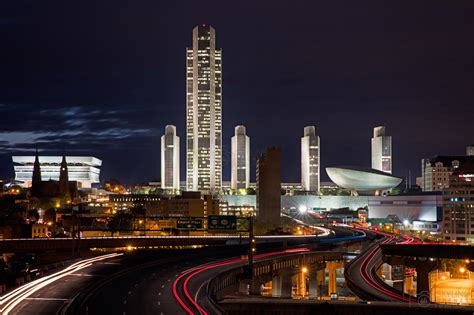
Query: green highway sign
{"points": [[222, 222], [243, 224], [189, 224]]}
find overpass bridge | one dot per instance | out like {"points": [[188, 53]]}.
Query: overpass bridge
{"points": [[28, 245], [424, 258], [283, 272], [429, 250]]}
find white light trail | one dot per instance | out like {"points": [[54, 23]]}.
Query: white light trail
{"points": [[10, 300]]}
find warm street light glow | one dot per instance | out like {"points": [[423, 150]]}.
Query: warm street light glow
{"points": [[462, 270], [304, 270]]}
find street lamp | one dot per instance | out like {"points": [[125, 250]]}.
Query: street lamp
{"points": [[302, 209]]}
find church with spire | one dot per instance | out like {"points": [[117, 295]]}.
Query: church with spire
{"points": [[63, 189]]}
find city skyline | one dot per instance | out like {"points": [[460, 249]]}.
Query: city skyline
{"points": [[359, 95], [205, 157]]}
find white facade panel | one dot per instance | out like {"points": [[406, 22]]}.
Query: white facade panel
{"points": [[240, 176], [170, 159], [83, 169], [381, 150], [310, 160]]}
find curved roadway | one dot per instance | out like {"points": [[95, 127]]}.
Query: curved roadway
{"points": [[361, 274], [143, 282]]}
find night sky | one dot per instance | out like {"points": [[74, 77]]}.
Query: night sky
{"points": [[103, 78]]}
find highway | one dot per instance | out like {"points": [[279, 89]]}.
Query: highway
{"points": [[50, 292], [175, 286], [142, 282], [362, 279]]}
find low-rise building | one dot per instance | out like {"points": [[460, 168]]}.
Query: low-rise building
{"points": [[424, 208], [84, 170], [239, 211], [435, 172], [188, 204], [40, 230]]}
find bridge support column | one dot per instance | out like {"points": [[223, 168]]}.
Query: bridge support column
{"points": [[332, 285], [423, 268], [282, 285], [408, 285], [317, 280], [255, 287], [301, 283]]}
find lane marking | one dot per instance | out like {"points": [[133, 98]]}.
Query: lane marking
{"points": [[45, 299]]}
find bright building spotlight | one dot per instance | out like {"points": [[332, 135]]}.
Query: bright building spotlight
{"points": [[406, 222], [302, 209]]}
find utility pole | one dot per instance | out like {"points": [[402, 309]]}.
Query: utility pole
{"points": [[252, 247]]}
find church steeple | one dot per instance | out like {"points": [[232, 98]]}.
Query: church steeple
{"points": [[63, 178], [36, 178]]}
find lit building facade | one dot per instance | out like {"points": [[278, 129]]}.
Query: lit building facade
{"points": [[189, 204], [170, 159], [310, 154], [458, 216], [381, 150], [204, 112], [422, 207], [436, 172], [85, 170], [470, 150], [240, 176]]}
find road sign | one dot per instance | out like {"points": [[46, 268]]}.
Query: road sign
{"points": [[243, 224], [167, 224], [189, 224], [222, 222]]}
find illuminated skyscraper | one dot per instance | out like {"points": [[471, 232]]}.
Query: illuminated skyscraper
{"points": [[204, 112], [381, 150], [310, 177], [240, 177], [170, 159]]}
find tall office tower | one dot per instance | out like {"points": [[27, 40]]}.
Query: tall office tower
{"points": [[269, 187], [170, 159], [204, 112], [470, 150], [381, 150], [310, 178], [63, 178], [240, 177]]}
